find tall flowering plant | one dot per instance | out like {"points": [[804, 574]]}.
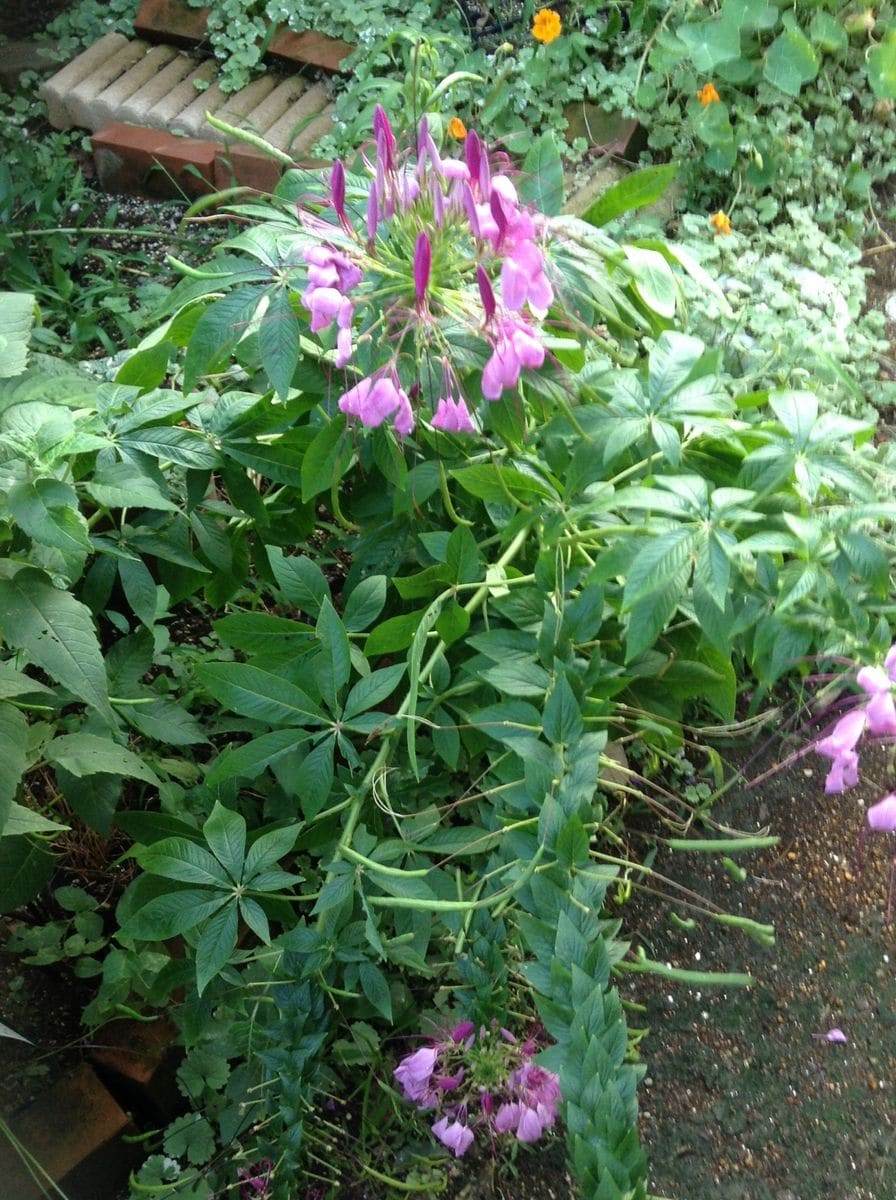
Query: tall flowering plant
{"points": [[445, 244], [480, 1082]]}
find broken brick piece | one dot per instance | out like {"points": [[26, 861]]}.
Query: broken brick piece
{"points": [[131, 158]]}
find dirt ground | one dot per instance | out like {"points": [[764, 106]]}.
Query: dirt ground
{"points": [[741, 1100]]}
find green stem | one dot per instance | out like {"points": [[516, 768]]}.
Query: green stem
{"points": [[400, 1186]]}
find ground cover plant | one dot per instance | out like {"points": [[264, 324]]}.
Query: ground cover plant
{"points": [[545, 517]]}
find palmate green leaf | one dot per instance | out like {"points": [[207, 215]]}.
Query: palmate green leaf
{"points": [[372, 689], [225, 834], [190, 1137], [278, 342], [365, 603], [249, 760], [650, 616], [259, 694], [301, 581], [13, 743], [713, 569], [173, 913], [332, 665], [659, 560], [86, 754], [183, 860], [216, 944], [57, 633], [632, 192]]}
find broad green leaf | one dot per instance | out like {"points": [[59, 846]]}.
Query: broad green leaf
{"points": [[263, 633], [278, 342], [167, 443], [122, 485], [572, 844], [147, 368], [254, 916], [57, 634], [710, 42], [25, 820], [325, 459], [222, 325], [139, 589], [13, 745], [541, 182], [6, 1032], [165, 721], [827, 33], [376, 989], [518, 677], [94, 798], [26, 868], [216, 944], [17, 683], [333, 662], [492, 483], [258, 694], [128, 410], [86, 754], [790, 61], [225, 833], [16, 319], [562, 714], [634, 191], [882, 67], [395, 634], [174, 913], [659, 559], [654, 281], [453, 622], [47, 510], [365, 603], [177, 858]]}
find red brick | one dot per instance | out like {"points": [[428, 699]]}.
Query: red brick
{"points": [[247, 167], [314, 49], [130, 158], [171, 21], [139, 1061], [73, 1132]]}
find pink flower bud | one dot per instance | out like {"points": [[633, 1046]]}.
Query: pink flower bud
{"points": [[422, 266]]}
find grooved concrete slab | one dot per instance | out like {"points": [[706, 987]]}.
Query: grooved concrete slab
{"points": [[121, 81]]}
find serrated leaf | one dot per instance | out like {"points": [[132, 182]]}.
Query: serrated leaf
{"points": [[278, 342], [190, 1137], [376, 989], [57, 633], [372, 689], [187, 447], [185, 861], [268, 849], [225, 833], [249, 760], [167, 916], [16, 319], [218, 330], [314, 779], [46, 510], [259, 694], [300, 580], [139, 589], [658, 560], [85, 754]]}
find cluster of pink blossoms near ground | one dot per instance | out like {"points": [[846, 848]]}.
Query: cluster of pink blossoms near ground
{"points": [[877, 716], [444, 239], [484, 1082]]}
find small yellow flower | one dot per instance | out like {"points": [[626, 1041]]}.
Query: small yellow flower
{"points": [[708, 94], [546, 25], [456, 128], [720, 222]]}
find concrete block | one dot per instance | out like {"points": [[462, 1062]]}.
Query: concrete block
{"points": [[191, 119], [233, 107], [56, 89], [139, 1061], [312, 132], [73, 1132], [280, 101], [107, 105], [81, 97], [164, 113], [135, 110], [288, 129]]}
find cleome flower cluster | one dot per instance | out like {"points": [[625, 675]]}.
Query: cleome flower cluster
{"points": [[436, 249], [480, 1082]]}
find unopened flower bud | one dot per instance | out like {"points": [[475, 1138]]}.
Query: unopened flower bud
{"points": [[856, 23]]}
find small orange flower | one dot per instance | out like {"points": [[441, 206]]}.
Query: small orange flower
{"points": [[708, 94], [456, 128], [720, 222], [546, 26]]}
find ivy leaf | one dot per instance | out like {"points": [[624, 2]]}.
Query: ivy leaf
{"points": [[790, 61], [190, 1137]]}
